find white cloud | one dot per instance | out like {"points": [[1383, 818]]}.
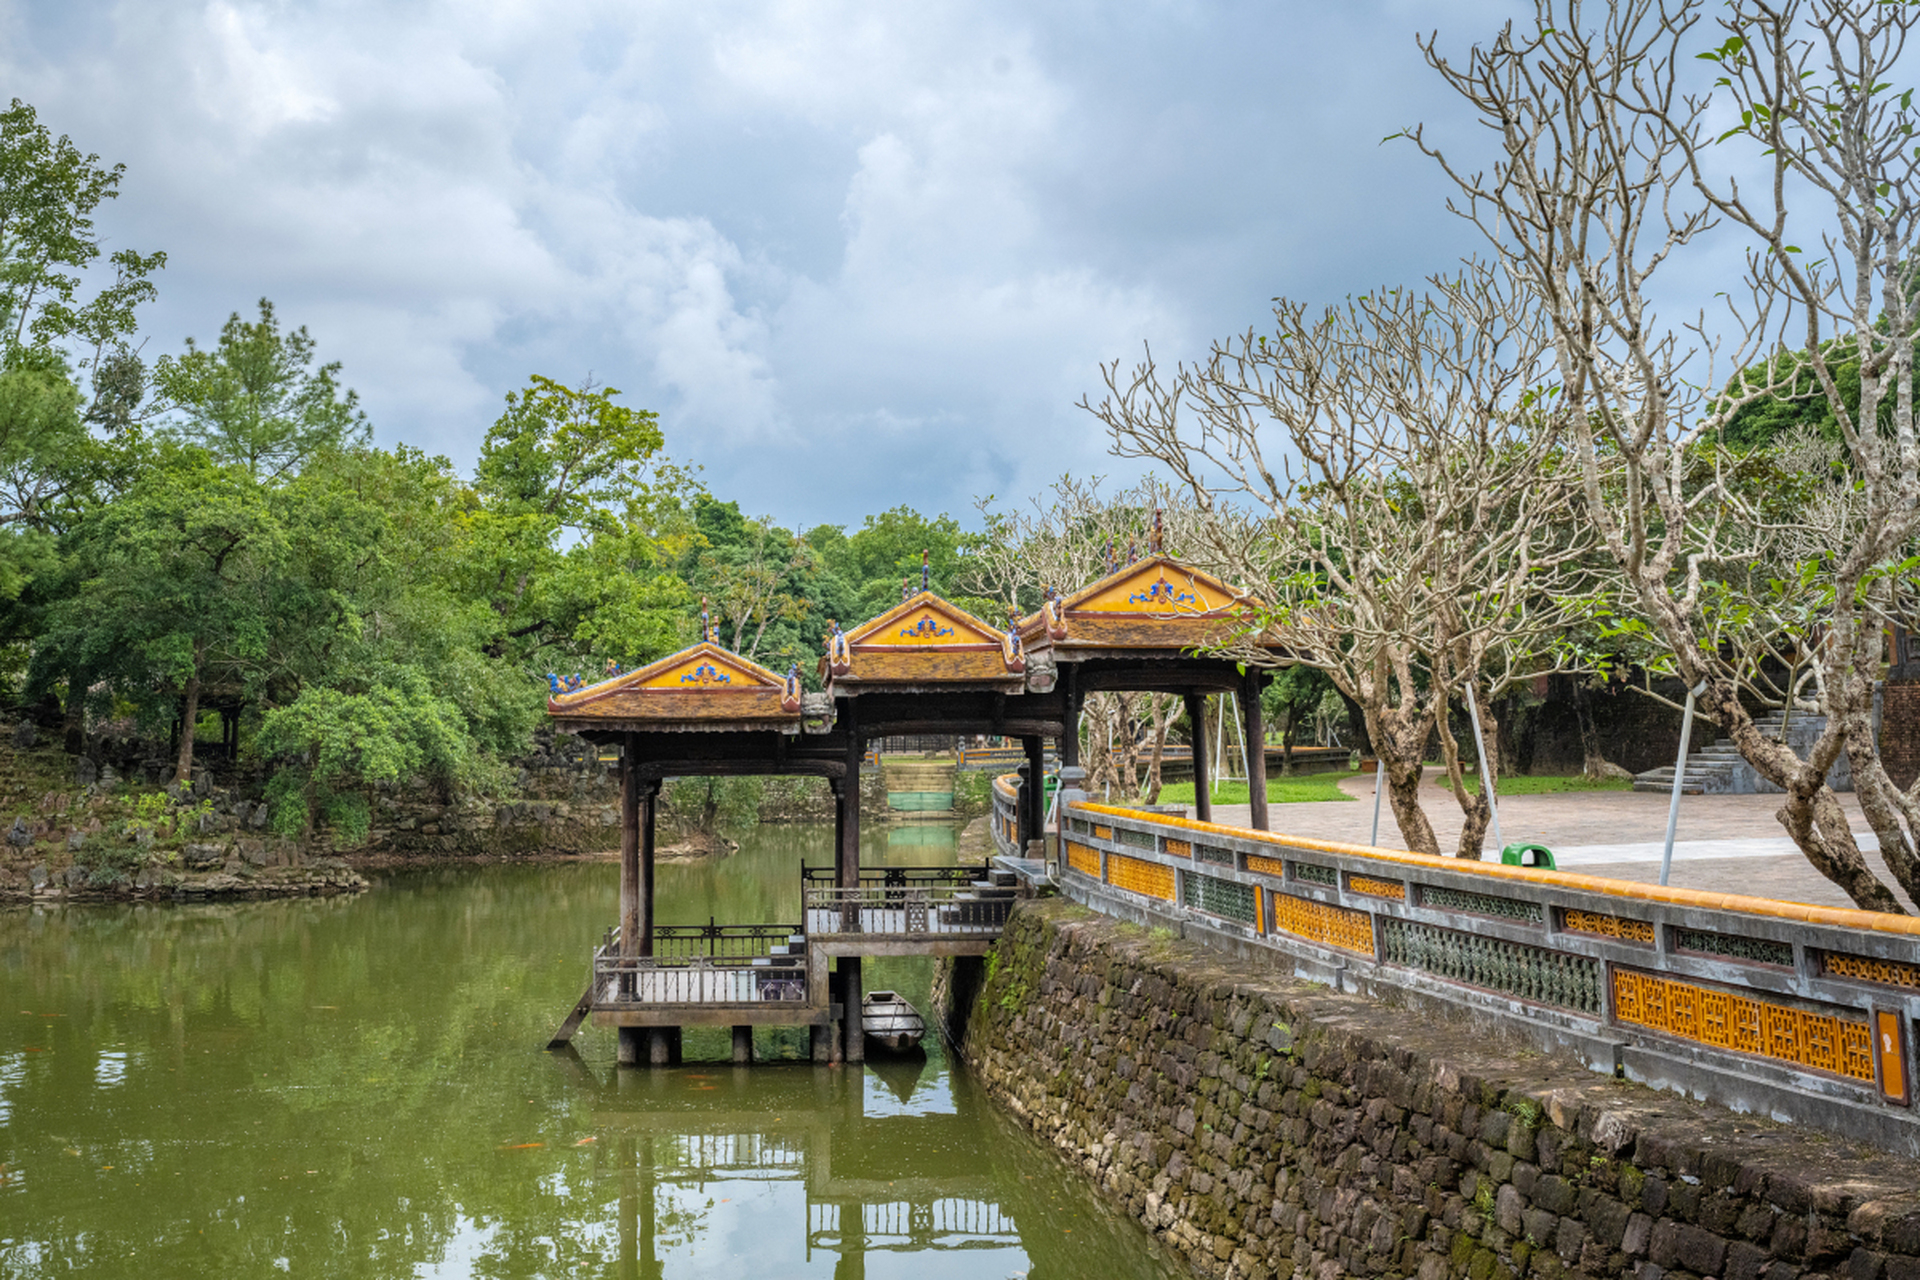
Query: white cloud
{"points": [[855, 254]]}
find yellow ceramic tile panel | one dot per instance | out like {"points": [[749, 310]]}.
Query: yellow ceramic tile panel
{"points": [[1138, 876], [1319, 922], [1082, 859], [1726, 1020], [1394, 889], [1607, 926]]}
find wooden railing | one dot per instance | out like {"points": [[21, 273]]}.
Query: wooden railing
{"points": [[1716, 993]]}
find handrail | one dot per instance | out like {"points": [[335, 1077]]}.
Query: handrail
{"points": [[1778, 1006], [895, 877], [1806, 913]]}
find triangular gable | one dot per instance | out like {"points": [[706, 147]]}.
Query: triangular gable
{"points": [[1158, 587], [704, 668], [924, 620]]}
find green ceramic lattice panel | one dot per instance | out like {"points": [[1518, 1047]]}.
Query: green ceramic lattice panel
{"points": [[1313, 874], [1209, 853], [1733, 946], [1527, 973], [1481, 904], [1217, 897], [1138, 839]]}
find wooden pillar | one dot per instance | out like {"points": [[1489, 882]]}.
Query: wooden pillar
{"points": [[649, 794], [629, 850], [853, 1038], [1035, 796], [854, 1027], [848, 828], [1022, 811], [1253, 722], [1202, 796]]}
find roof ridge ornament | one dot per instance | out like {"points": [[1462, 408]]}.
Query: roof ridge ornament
{"points": [[1111, 566], [839, 656], [1010, 649], [790, 690], [1053, 614], [706, 623], [925, 573], [1157, 540]]}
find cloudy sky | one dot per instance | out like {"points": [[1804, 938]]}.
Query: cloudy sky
{"points": [[854, 254]]}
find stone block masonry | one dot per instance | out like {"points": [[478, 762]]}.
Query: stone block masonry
{"points": [[1268, 1127], [1900, 730]]}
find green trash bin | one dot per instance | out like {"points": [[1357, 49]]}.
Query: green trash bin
{"points": [[1528, 855]]}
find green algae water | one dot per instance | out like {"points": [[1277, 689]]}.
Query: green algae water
{"points": [[357, 1087]]}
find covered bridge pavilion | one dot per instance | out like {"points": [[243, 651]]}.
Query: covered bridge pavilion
{"points": [[925, 666]]}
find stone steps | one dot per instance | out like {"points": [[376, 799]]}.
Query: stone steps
{"points": [[1711, 769]]}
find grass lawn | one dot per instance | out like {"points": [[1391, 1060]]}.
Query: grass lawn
{"points": [[1529, 786], [1311, 786]]}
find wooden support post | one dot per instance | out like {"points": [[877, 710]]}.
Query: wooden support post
{"points": [[629, 858], [1202, 794], [849, 825], [1036, 794], [1253, 724], [649, 793], [853, 1024], [743, 1045], [1022, 811]]}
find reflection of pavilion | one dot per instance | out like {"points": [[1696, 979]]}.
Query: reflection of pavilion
{"points": [[873, 1183]]}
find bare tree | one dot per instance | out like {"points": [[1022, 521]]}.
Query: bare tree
{"points": [[1605, 169], [1389, 473], [1064, 539]]}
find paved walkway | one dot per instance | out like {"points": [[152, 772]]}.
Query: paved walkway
{"points": [[1733, 844]]}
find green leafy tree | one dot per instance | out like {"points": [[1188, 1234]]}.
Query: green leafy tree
{"points": [[344, 742], [565, 468], [255, 398], [173, 590]]}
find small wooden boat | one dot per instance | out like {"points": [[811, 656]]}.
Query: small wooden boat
{"points": [[889, 1019]]}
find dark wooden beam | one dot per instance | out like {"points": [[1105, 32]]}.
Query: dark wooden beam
{"points": [[1253, 724], [1202, 794]]}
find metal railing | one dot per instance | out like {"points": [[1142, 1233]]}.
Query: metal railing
{"points": [[894, 877], [1806, 1003], [951, 910], [731, 941], [725, 972]]}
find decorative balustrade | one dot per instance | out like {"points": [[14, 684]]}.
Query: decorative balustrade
{"points": [[717, 941], [917, 911], [710, 964], [1717, 993], [1006, 813]]}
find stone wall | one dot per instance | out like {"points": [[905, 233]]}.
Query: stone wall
{"points": [[1267, 1126]]}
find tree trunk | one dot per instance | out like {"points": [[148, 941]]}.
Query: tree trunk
{"points": [[1591, 759], [1400, 736], [1161, 723], [189, 710]]}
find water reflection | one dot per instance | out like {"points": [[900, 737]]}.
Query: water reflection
{"points": [[355, 1087]]}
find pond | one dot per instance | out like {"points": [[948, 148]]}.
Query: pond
{"points": [[358, 1087]]}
